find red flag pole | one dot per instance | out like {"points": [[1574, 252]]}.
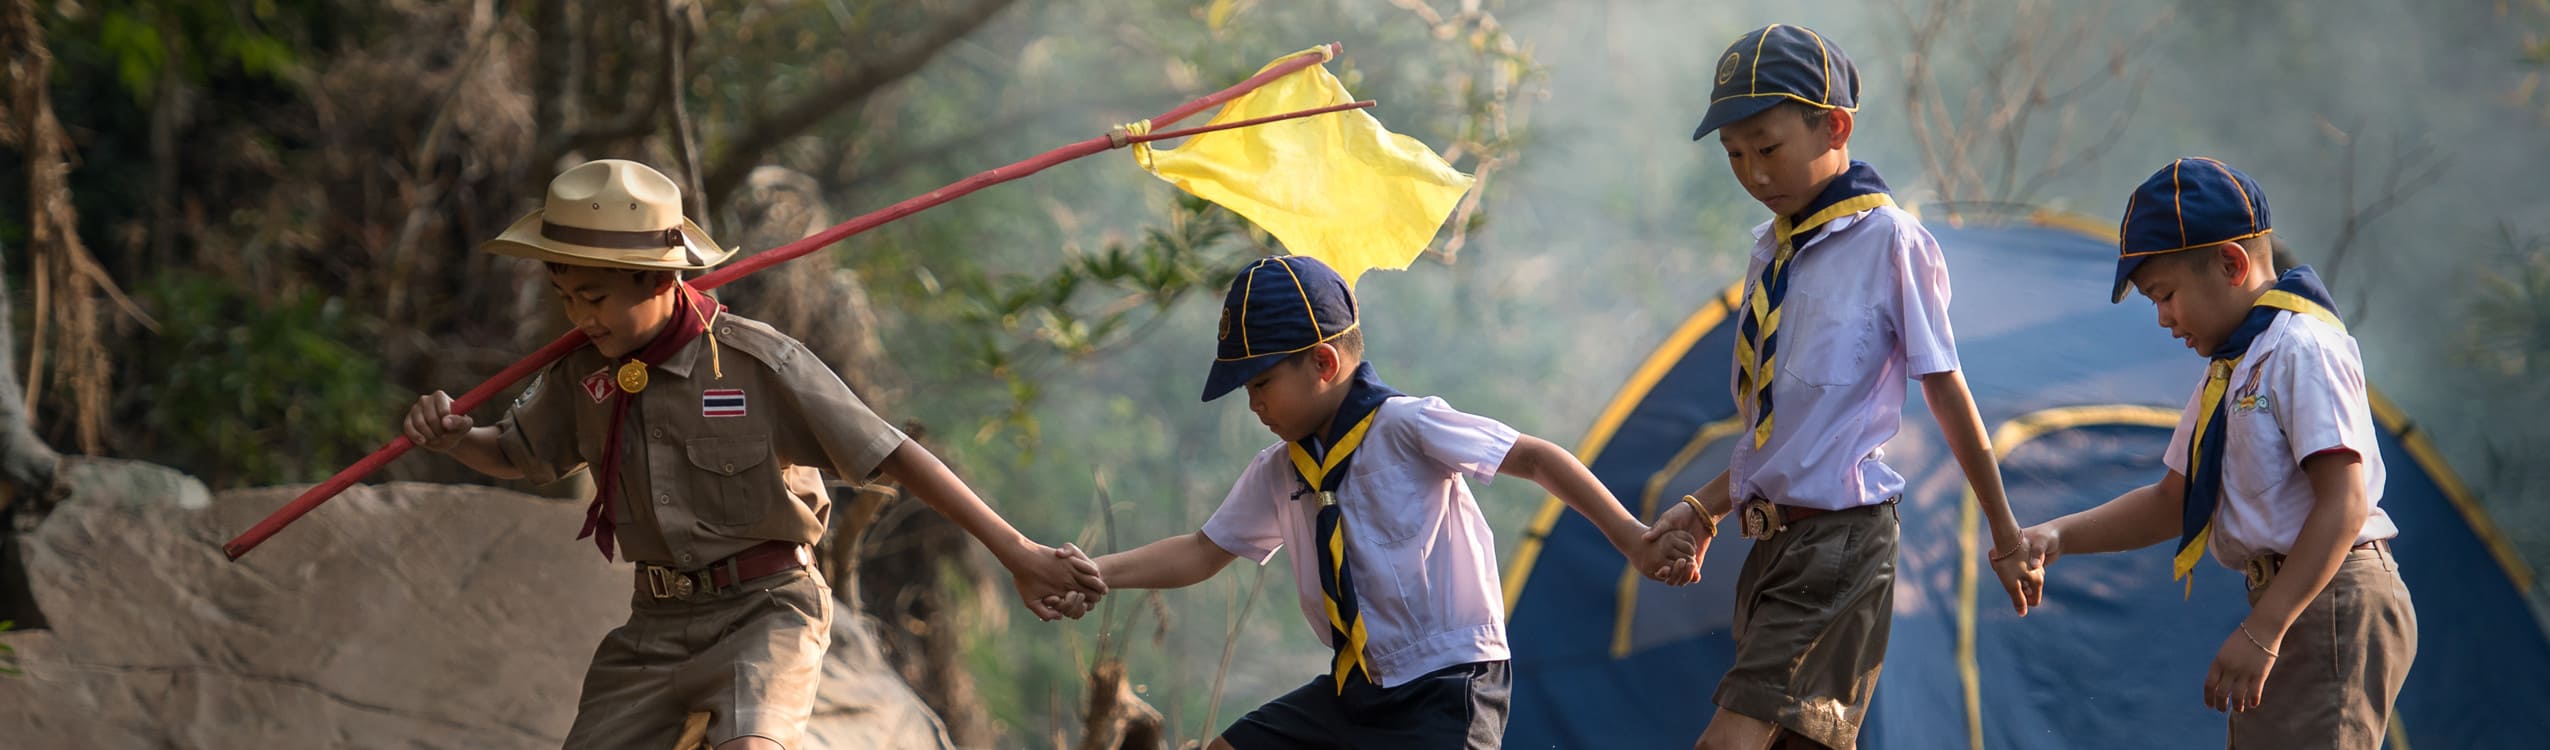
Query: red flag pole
{"points": [[478, 396]]}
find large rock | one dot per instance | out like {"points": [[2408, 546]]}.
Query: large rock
{"points": [[404, 615]]}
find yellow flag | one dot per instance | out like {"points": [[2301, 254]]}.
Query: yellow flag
{"points": [[1337, 187]]}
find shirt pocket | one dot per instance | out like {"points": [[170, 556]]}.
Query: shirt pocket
{"points": [[735, 483], [1824, 341], [1391, 510], [2256, 459]]}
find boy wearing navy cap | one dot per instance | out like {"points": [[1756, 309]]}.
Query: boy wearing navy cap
{"points": [[1395, 564], [2273, 467], [1846, 299]]}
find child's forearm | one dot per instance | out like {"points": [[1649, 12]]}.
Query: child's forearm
{"points": [[2142, 517], [2337, 515], [481, 451], [1553, 468], [1717, 496], [1953, 406], [927, 478], [1175, 562]]}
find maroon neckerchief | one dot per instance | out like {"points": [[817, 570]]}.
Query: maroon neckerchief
{"points": [[677, 333]]}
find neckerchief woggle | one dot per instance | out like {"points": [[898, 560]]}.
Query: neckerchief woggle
{"points": [[1322, 460], [629, 378], [2297, 291], [1856, 189]]}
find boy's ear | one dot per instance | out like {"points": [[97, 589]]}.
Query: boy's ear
{"points": [[2233, 261], [1330, 361], [1837, 128]]}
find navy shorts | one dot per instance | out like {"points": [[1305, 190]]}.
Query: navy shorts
{"points": [[1461, 707]]}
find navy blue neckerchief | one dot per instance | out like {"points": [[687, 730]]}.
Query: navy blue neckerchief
{"points": [[1856, 189], [1858, 180], [1364, 394], [2297, 291], [1321, 461]]}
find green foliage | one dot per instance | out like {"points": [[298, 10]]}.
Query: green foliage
{"points": [[257, 390], [202, 39], [1031, 324]]}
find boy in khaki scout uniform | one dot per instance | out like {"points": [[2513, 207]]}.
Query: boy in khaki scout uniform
{"points": [[706, 433], [1846, 299], [2273, 467]]}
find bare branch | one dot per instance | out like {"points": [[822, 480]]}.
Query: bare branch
{"points": [[865, 78]]}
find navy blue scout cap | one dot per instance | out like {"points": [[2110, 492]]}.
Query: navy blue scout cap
{"points": [[2194, 202], [1778, 63], [1278, 307]]}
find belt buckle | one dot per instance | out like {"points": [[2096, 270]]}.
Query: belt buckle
{"points": [[666, 583], [1761, 520], [2261, 571]]}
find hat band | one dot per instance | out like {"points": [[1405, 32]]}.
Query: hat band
{"points": [[652, 239]]}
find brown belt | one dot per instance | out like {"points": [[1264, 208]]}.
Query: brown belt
{"points": [[766, 558], [2263, 568], [1759, 526]]}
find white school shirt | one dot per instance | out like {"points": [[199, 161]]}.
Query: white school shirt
{"points": [[2298, 393], [1423, 561], [1866, 310]]}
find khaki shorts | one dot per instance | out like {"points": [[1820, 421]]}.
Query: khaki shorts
{"points": [[2341, 664], [749, 657], [1812, 611]]}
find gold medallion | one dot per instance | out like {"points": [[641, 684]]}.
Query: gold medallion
{"points": [[632, 377]]}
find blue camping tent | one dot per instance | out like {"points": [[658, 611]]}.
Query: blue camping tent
{"points": [[2081, 395]]}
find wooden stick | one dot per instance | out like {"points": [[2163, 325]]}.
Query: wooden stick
{"points": [[1168, 134]]}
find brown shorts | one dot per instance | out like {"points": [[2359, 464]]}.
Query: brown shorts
{"points": [[1812, 611], [2341, 664], [749, 657]]}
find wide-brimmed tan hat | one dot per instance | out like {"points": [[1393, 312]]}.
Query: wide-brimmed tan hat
{"points": [[612, 213]]}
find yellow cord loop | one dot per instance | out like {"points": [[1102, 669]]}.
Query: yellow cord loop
{"points": [[1141, 151]]}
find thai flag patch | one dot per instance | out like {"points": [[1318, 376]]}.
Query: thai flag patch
{"points": [[721, 402]]}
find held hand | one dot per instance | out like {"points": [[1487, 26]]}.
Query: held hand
{"points": [[1084, 571], [1683, 520], [1667, 556], [2238, 679], [1040, 572], [431, 424], [2021, 568], [1073, 605]]}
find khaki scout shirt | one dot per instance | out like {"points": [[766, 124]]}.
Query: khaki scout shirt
{"points": [[708, 466]]}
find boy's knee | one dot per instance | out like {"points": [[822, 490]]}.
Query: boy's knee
{"points": [[1219, 744]]}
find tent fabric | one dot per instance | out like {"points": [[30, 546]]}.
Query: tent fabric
{"points": [[2081, 395]]}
